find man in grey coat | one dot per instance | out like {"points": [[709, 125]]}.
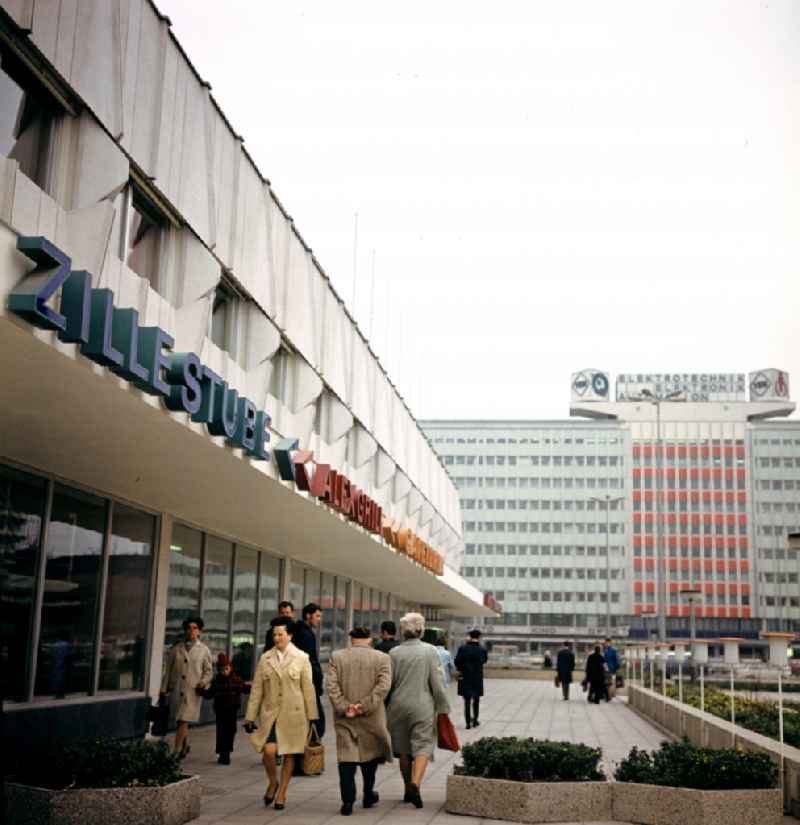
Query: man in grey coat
{"points": [[358, 680], [415, 700]]}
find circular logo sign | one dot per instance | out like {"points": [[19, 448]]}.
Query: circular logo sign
{"points": [[580, 384], [600, 384], [759, 385]]}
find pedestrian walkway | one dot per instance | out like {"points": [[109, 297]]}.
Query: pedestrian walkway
{"points": [[232, 795]]}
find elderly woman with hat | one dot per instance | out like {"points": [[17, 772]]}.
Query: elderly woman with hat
{"points": [[188, 674], [282, 705], [416, 698]]}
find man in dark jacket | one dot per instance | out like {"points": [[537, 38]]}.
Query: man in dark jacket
{"points": [[305, 639], [470, 659], [388, 641], [596, 676], [565, 664]]}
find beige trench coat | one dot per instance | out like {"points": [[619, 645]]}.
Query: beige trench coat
{"points": [[282, 695], [186, 669], [360, 675]]}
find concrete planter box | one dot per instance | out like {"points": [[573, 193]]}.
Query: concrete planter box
{"points": [[168, 805], [610, 802], [529, 801], [657, 805]]}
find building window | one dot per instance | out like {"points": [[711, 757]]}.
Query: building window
{"points": [[143, 230], [224, 320], [28, 118]]}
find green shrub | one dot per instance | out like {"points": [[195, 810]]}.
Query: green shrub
{"points": [[103, 763], [756, 715], [682, 765], [531, 760]]}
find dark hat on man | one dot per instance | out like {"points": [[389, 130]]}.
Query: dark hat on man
{"points": [[222, 661], [474, 633], [360, 633]]}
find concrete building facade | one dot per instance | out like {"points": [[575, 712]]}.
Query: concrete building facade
{"points": [[193, 421]]}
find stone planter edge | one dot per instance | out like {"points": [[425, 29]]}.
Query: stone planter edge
{"points": [[613, 801], [172, 804]]}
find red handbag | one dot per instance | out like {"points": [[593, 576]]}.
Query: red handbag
{"points": [[446, 733]]}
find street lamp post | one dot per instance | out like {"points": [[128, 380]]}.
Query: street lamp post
{"points": [[657, 400], [606, 502], [692, 595]]}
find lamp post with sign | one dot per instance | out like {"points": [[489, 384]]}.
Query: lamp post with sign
{"points": [[692, 595], [606, 503], [661, 601]]}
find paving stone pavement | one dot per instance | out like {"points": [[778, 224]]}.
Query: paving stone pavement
{"points": [[232, 795]]}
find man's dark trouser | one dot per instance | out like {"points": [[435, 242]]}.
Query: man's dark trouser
{"points": [[565, 683], [320, 723], [347, 779], [476, 706], [226, 729]]}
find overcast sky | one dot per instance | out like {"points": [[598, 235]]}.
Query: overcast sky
{"points": [[547, 186]]}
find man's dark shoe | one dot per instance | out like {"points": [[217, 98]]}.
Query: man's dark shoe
{"points": [[475, 723], [407, 795], [346, 809], [414, 798], [224, 759], [371, 799]]}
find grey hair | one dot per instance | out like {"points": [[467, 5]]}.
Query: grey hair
{"points": [[412, 625]]}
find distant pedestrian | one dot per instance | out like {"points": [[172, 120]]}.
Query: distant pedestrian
{"points": [[470, 659], [596, 676], [282, 705], [417, 697], [189, 672], [565, 665], [359, 679], [388, 640], [305, 639], [436, 637], [226, 690], [611, 659], [547, 663]]}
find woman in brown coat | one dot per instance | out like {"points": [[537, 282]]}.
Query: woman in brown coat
{"points": [[358, 681], [283, 703]]}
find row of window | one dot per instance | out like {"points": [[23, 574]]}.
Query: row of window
{"points": [[779, 578], [532, 482], [694, 552], [540, 549], [693, 461], [589, 573], [535, 460], [777, 442], [715, 528], [782, 601], [710, 600], [579, 504], [556, 596], [778, 484], [685, 505], [580, 528], [588, 440], [706, 482]]}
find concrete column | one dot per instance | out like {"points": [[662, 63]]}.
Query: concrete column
{"points": [[159, 624], [285, 587]]}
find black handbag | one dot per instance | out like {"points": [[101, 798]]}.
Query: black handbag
{"points": [[158, 716]]}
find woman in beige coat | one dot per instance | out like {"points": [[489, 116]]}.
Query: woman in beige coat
{"points": [[282, 704], [189, 672]]}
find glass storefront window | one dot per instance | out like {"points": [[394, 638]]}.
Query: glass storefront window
{"points": [[22, 501], [183, 594], [127, 607], [340, 639], [69, 608], [358, 605], [312, 593], [217, 594], [268, 598], [328, 617], [243, 637], [297, 588]]}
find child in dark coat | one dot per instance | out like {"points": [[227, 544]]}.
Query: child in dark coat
{"points": [[226, 690]]}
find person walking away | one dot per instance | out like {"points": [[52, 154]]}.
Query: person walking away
{"points": [[547, 662], [226, 690], [285, 611], [282, 706], [596, 676], [565, 665], [438, 639], [470, 659], [388, 640], [305, 638], [612, 666], [416, 698], [188, 673], [359, 679]]}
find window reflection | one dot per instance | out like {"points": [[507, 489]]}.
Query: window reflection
{"points": [[74, 548], [183, 595], [327, 604], [21, 507], [268, 599], [217, 594], [244, 611], [122, 662]]}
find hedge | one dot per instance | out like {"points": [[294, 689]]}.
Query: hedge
{"points": [[531, 760], [682, 765]]}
